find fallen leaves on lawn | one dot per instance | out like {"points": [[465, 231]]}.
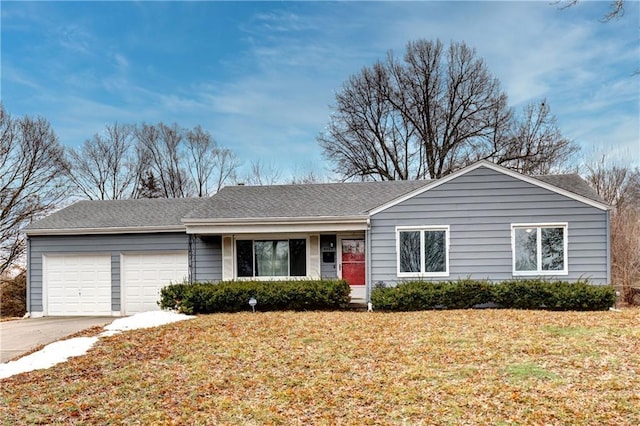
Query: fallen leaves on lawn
{"points": [[451, 367]]}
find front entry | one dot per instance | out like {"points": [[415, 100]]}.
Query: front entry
{"points": [[353, 266], [353, 261]]}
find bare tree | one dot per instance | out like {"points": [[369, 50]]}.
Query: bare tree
{"points": [[309, 174], [31, 179], [227, 166], [625, 252], [534, 144], [210, 167], [162, 145], [107, 167], [263, 174], [616, 8], [202, 155], [367, 137], [619, 186], [431, 113]]}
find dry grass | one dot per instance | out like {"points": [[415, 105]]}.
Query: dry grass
{"points": [[452, 367]]}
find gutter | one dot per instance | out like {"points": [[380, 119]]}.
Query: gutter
{"points": [[275, 225], [109, 230], [276, 220]]}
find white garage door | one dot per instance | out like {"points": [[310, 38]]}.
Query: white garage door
{"points": [[143, 275], [78, 284]]}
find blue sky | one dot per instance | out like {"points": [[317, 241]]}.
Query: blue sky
{"points": [[260, 76]]}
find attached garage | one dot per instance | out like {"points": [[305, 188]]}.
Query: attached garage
{"points": [[144, 274], [77, 285]]}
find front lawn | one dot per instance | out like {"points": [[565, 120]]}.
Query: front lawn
{"points": [[435, 367]]}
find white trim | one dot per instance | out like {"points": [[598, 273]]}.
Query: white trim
{"points": [[538, 227], [275, 220], [228, 273], [278, 225], [499, 169], [110, 230], [45, 286], [421, 229]]}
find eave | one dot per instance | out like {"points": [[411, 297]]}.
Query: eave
{"points": [[220, 226], [105, 230]]}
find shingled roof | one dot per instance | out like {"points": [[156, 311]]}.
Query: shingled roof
{"points": [[310, 200], [572, 183], [142, 214], [253, 202]]}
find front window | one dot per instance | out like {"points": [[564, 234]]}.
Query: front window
{"points": [[271, 258], [423, 251], [539, 249]]}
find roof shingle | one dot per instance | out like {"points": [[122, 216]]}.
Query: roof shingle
{"points": [[140, 213], [255, 202], [312, 200]]}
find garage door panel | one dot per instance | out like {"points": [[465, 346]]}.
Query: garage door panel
{"points": [[78, 284], [145, 274]]}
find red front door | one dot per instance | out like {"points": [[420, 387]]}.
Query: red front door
{"points": [[353, 261]]}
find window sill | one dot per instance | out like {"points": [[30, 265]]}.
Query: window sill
{"points": [[538, 273], [421, 275], [277, 278]]}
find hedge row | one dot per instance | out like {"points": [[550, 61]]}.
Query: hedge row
{"points": [[516, 294], [233, 296]]}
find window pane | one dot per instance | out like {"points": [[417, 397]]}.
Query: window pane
{"points": [[435, 251], [552, 240], [272, 258], [297, 258], [244, 258], [526, 249], [409, 251]]}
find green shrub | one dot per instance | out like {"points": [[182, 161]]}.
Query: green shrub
{"points": [[233, 296], [515, 294]]}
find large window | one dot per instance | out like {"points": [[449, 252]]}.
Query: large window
{"points": [[271, 258], [539, 249], [423, 251]]}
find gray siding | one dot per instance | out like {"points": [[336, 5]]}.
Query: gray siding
{"points": [[107, 244], [480, 207], [206, 258]]}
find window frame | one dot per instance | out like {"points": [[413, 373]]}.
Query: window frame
{"points": [[275, 237], [422, 273], [538, 227]]}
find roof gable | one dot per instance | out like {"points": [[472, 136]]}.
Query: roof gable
{"points": [[571, 186]]}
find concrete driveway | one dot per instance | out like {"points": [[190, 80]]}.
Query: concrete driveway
{"points": [[20, 336]]}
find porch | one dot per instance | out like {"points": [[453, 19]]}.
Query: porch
{"points": [[284, 255]]}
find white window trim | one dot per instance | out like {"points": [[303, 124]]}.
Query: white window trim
{"points": [[539, 271], [422, 274], [275, 237]]}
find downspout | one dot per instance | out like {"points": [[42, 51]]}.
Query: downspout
{"points": [[191, 257], [367, 238], [608, 233], [29, 274]]}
